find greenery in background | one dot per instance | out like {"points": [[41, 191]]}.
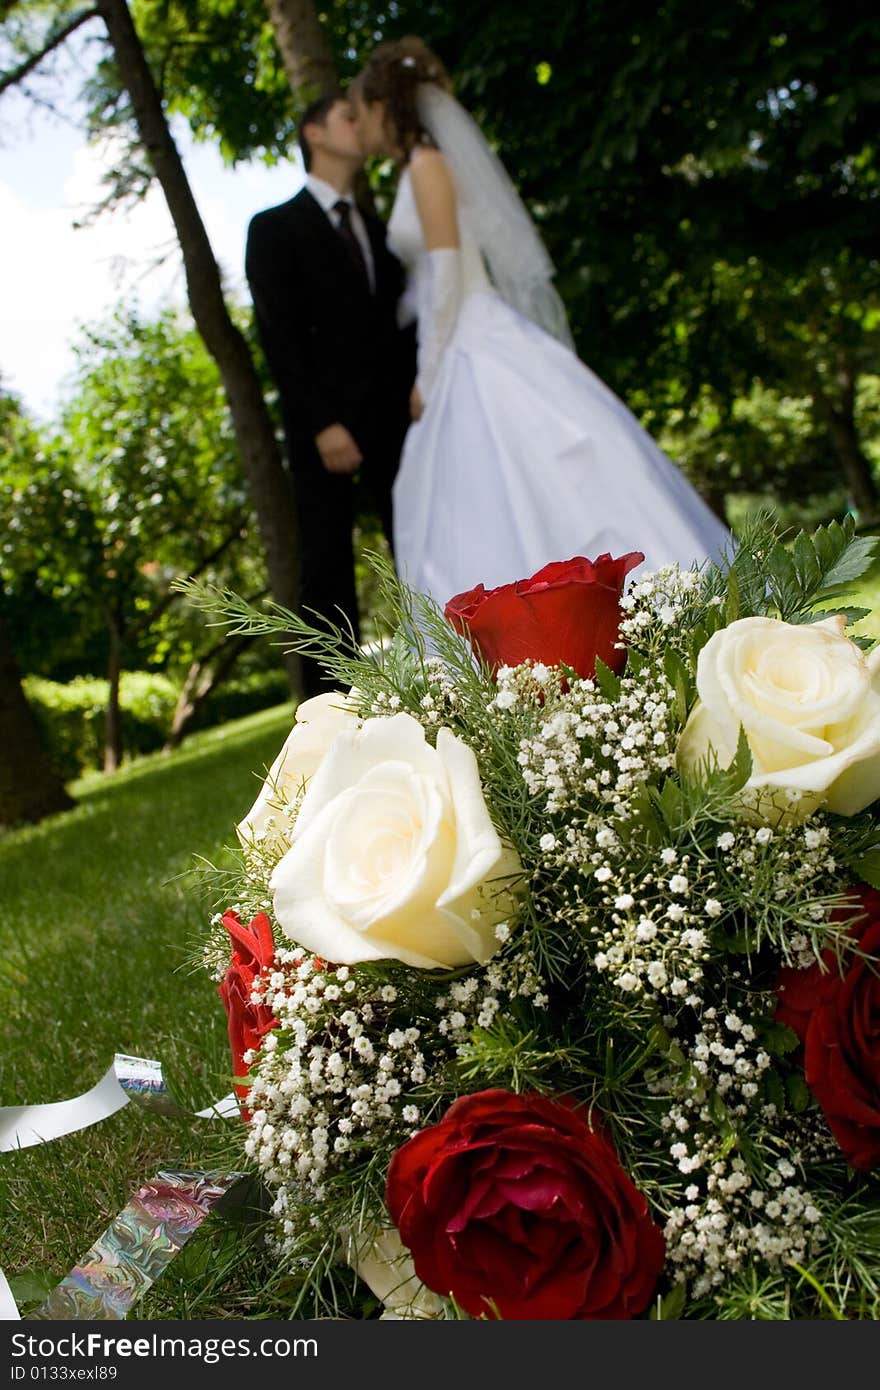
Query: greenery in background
{"points": [[96, 512], [72, 716], [138, 483]]}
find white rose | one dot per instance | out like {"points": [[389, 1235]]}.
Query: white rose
{"points": [[393, 854], [809, 701], [383, 1262], [317, 722]]}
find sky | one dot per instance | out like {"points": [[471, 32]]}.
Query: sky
{"points": [[54, 277]]}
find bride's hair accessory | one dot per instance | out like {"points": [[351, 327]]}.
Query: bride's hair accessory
{"points": [[517, 260]]}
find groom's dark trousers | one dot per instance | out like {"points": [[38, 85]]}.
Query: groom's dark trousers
{"points": [[337, 356]]}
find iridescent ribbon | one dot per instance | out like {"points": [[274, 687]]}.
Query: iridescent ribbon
{"points": [[137, 1246], [156, 1223], [126, 1079]]}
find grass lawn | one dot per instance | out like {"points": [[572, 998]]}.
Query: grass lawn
{"points": [[98, 918], [869, 597]]}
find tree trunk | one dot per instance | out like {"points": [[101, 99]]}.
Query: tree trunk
{"points": [[305, 48], [202, 678], [840, 418], [113, 721], [29, 788], [269, 485]]}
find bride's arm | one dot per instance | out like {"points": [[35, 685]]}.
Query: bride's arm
{"points": [[434, 194]]}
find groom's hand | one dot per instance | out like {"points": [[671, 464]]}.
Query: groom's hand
{"points": [[416, 404], [338, 449]]}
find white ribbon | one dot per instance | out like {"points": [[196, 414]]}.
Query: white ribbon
{"points": [[126, 1079]]}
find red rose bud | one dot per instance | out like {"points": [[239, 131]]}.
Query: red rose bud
{"points": [[566, 614], [837, 1018], [519, 1209], [253, 949]]}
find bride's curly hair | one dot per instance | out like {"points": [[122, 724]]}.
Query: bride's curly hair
{"points": [[392, 75]]}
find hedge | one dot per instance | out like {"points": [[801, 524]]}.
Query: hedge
{"points": [[72, 716]]}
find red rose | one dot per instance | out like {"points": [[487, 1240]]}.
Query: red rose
{"points": [[514, 1203], [837, 1018], [566, 614], [253, 948]]}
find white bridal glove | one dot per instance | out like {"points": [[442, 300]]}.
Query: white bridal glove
{"points": [[439, 304]]}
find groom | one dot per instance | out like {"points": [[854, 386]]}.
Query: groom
{"points": [[325, 289]]}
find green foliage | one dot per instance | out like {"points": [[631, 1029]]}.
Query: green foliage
{"points": [[72, 717], [867, 866], [142, 482], [219, 67]]}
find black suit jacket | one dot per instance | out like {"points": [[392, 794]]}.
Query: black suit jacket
{"points": [[333, 347]]}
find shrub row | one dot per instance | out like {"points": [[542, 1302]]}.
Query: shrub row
{"points": [[72, 716]]}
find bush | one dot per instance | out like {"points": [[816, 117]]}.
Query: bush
{"points": [[73, 716]]}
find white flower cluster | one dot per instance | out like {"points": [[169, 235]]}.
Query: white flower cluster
{"points": [[588, 745], [476, 1001], [653, 931], [436, 706], [657, 606], [784, 874], [733, 1212], [332, 1077]]}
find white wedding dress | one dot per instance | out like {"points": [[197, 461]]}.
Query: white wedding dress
{"points": [[522, 455]]}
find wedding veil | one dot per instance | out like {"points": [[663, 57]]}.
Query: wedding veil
{"points": [[517, 260]]}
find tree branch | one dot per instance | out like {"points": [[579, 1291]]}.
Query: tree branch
{"points": [[12, 79], [165, 602]]}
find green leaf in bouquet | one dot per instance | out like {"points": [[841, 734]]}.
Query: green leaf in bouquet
{"points": [[798, 1092], [710, 789], [668, 1307], [607, 681], [748, 572], [679, 678], [635, 663], [740, 770], [852, 562], [852, 615], [814, 566], [779, 1039], [784, 576], [31, 1287], [660, 1037], [671, 803], [720, 1113], [806, 562], [643, 822], [774, 1091], [867, 866]]}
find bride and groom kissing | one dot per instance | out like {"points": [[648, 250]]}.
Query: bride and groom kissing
{"points": [[488, 447]]}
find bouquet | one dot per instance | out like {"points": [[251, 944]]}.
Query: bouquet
{"points": [[554, 987]]}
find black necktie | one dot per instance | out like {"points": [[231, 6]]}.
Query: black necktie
{"points": [[347, 232]]}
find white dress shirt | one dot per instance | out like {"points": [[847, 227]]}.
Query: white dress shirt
{"points": [[326, 195]]}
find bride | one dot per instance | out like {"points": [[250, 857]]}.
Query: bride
{"points": [[518, 454]]}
